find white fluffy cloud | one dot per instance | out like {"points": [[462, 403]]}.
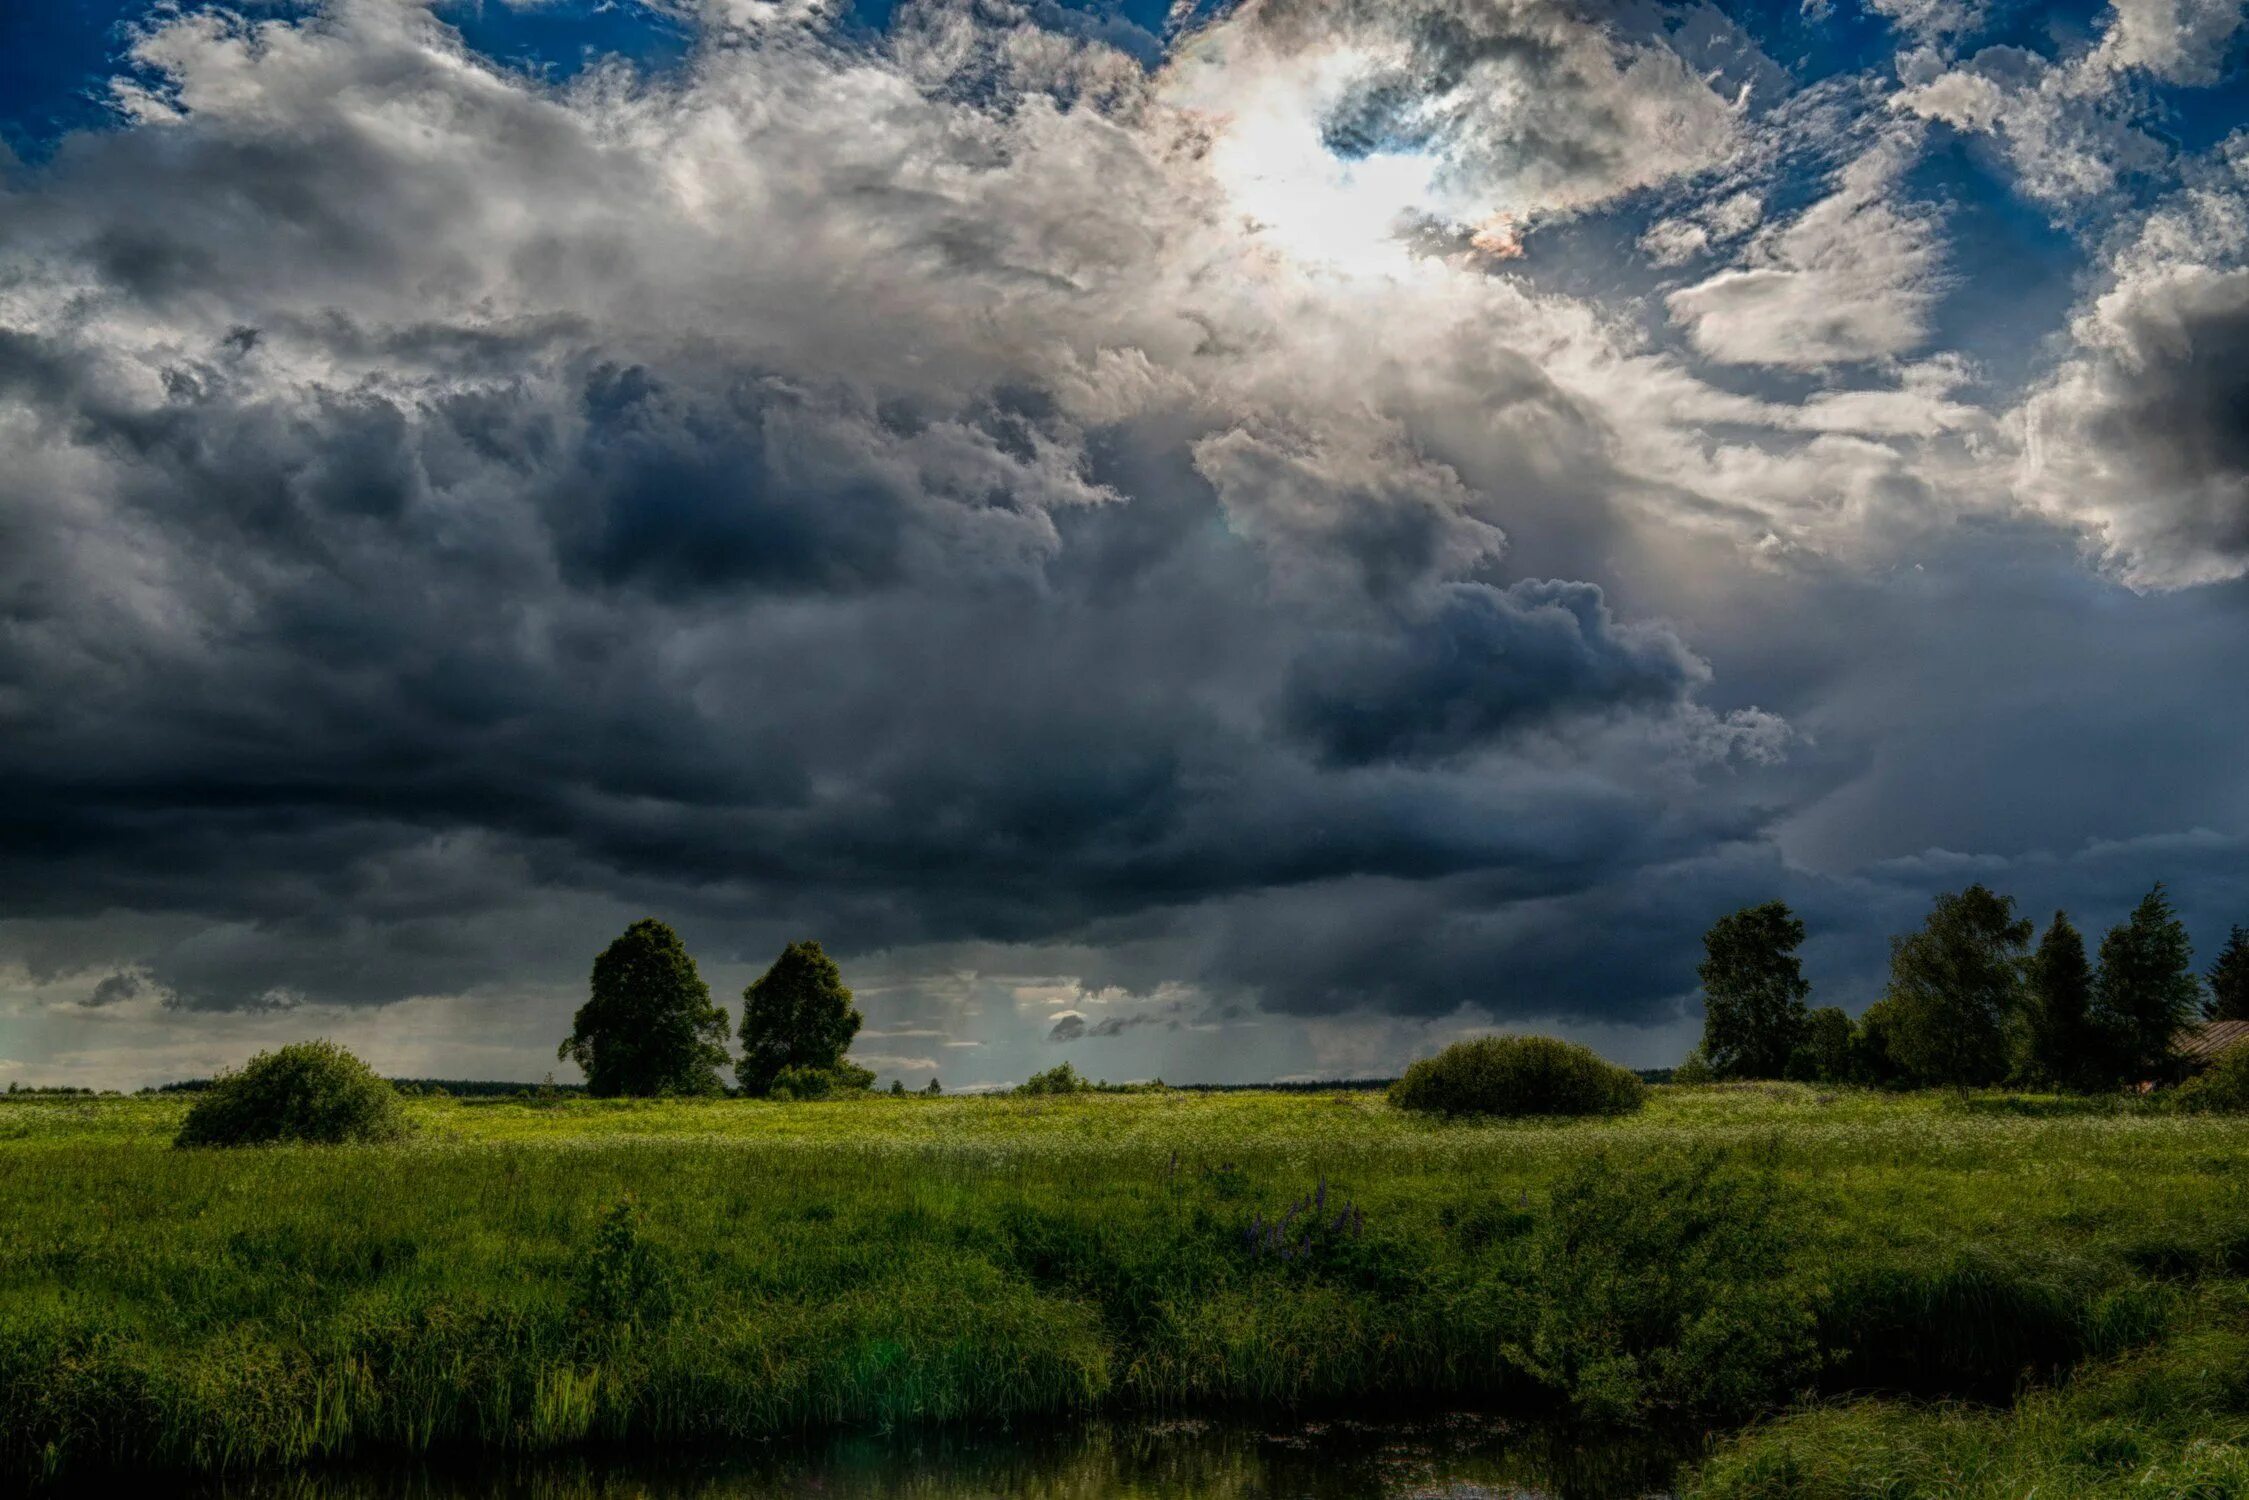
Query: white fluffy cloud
{"points": [[2141, 438], [1852, 278]]}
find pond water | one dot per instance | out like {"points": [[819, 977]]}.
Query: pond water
{"points": [[1452, 1455]]}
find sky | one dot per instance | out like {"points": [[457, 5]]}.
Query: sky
{"points": [[1219, 543]]}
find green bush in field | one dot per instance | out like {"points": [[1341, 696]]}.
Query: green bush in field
{"points": [[624, 1280], [794, 1083], [1518, 1075], [2221, 1088], [1059, 1079], [1666, 1285], [309, 1091]]}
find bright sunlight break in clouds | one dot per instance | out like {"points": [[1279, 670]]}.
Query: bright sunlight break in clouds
{"points": [[1223, 542]]}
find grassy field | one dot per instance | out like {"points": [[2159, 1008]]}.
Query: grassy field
{"points": [[1851, 1289]]}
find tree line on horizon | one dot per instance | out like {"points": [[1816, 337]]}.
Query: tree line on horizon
{"points": [[1970, 1002]]}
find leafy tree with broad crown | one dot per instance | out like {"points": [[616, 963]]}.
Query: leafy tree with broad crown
{"points": [[649, 1026], [1753, 991], [2060, 1046], [2229, 980], [797, 1014], [2147, 991], [1956, 988]]}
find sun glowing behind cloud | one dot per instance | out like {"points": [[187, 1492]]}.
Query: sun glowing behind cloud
{"points": [[1269, 153]]}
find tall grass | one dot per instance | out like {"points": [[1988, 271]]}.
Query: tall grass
{"points": [[522, 1275]]}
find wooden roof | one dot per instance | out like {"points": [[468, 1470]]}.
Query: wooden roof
{"points": [[2210, 1040]]}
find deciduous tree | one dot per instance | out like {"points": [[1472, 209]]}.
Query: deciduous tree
{"points": [[1753, 991], [796, 1015], [1956, 987], [649, 1026]]}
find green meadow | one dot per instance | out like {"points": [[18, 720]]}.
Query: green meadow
{"points": [[1819, 1292]]}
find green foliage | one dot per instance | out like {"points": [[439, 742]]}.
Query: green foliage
{"points": [[2221, 1088], [1059, 1079], [804, 1083], [1753, 991], [934, 1089], [1874, 1061], [1823, 1051], [1666, 1284], [2147, 991], [648, 1028], [623, 1280], [314, 1092], [2167, 1423], [1518, 1075], [2060, 1046], [1956, 989], [2229, 980], [798, 1016]]}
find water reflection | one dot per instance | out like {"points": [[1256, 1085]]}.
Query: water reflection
{"points": [[1454, 1456]]}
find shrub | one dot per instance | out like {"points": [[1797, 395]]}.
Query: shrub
{"points": [[2221, 1088], [308, 1091], [1059, 1079], [623, 1279], [1666, 1285], [1518, 1075], [801, 1083]]}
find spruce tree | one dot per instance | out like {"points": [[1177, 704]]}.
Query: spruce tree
{"points": [[1753, 992], [2060, 1049], [2229, 980], [2146, 992], [649, 1026]]}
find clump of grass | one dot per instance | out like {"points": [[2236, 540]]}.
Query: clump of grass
{"points": [[313, 1092], [1518, 1075]]}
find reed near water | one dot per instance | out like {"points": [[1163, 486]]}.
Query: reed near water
{"points": [[527, 1274]]}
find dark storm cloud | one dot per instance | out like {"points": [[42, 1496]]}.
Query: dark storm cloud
{"points": [[901, 493], [2175, 413], [115, 990], [1485, 661], [383, 613], [1073, 1027]]}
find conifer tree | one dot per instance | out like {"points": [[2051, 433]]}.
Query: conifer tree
{"points": [[2060, 1048], [2147, 990], [2229, 980]]}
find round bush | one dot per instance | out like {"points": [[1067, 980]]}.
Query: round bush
{"points": [[1518, 1075], [309, 1091], [2222, 1088]]}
